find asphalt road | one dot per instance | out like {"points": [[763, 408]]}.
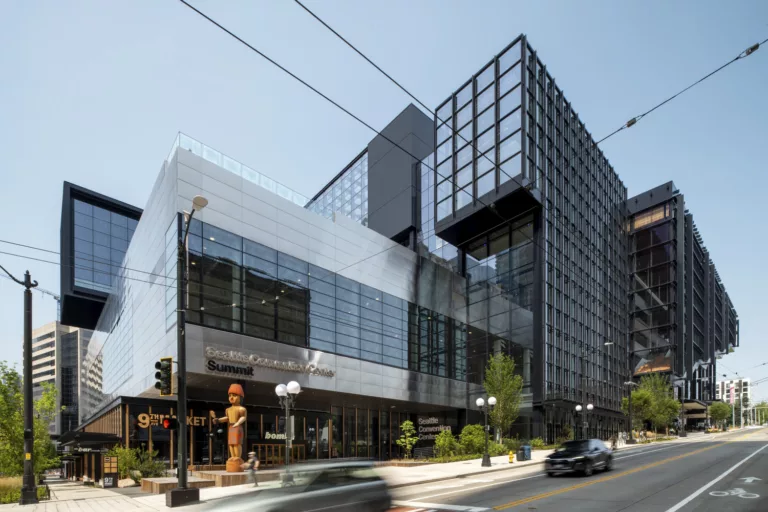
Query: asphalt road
{"points": [[724, 472]]}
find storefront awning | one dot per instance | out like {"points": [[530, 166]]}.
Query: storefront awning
{"points": [[692, 405], [87, 439]]}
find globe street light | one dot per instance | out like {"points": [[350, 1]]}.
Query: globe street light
{"points": [[286, 394], [580, 409], [481, 404]]}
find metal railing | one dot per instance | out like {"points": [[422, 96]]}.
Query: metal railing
{"points": [[184, 141]]}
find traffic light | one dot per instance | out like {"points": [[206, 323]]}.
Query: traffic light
{"points": [[164, 376], [170, 423]]}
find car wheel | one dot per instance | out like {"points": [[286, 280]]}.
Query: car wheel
{"points": [[550, 473], [609, 464], [588, 468]]}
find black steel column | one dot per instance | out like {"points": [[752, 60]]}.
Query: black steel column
{"points": [[486, 456], [181, 355], [182, 495], [29, 488]]}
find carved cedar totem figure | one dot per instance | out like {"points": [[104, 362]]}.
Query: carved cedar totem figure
{"points": [[235, 416]]}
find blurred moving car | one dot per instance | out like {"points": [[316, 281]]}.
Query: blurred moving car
{"points": [[580, 456], [341, 486]]}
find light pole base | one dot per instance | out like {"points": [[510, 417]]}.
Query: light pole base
{"points": [[682, 433], [180, 497], [486, 461], [28, 496]]}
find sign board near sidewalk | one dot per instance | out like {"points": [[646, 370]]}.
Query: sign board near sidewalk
{"points": [[110, 472]]}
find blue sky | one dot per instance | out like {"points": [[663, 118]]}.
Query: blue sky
{"points": [[94, 93]]}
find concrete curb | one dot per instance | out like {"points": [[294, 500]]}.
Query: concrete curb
{"points": [[507, 468], [474, 473]]}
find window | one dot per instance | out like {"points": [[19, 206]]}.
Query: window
{"points": [[486, 119], [509, 57], [464, 116], [650, 216], [485, 99], [463, 96], [485, 78], [485, 184]]}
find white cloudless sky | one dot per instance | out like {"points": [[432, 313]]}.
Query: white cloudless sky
{"points": [[94, 93]]}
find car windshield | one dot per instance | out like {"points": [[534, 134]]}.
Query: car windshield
{"points": [[575, 446]]}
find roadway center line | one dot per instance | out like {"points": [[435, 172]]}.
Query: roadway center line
{"points": [[600, 480], [713, 482], [538, 475], [613, 477]]}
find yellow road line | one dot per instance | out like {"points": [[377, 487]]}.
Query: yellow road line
{"points": [[611, 477]]}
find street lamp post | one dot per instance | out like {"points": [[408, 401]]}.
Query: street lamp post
{"points": [[485, 406], [631, 439], [29, 486], [183, 495], [286, 394], [580, 410]]}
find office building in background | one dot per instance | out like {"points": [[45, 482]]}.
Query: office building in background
{"points": [[682, 319], [741, 390], [58, 352]]}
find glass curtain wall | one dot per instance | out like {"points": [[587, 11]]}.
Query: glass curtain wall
{"points": [[348, 194], [486, 113], [242, 286], [654, 284], [500, 295], [101, 239], [585, 248]]}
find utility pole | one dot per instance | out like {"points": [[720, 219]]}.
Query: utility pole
{"points": [[29, 486]]}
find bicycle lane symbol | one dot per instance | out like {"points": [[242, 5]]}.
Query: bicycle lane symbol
{"points": [[741, 493]]}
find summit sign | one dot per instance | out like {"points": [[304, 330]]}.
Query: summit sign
{"points": [[217, 362]]}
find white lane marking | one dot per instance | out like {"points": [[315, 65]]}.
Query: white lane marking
{"points": [[436, 506], [648, 451], [529, 477], [713, 482], [479, 487], [750, 479]]}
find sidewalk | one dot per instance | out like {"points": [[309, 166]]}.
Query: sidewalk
{"points": [[403, 476]]}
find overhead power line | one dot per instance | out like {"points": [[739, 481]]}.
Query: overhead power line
{"points": [[471, 144], [585, 284], [746, 53]]}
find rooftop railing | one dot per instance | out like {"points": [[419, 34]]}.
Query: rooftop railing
{"points": [[184, 141]]}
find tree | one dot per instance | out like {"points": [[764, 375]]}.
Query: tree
{"points": [[641, 407], [502, 383], [472, 439], [408, 437], [445, 444], [663, 408], [12, 425], [719, 412]]}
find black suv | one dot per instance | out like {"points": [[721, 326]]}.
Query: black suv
{"points": [[580, 456]]}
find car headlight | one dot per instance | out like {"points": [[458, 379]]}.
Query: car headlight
{"points": [[579, 458]]}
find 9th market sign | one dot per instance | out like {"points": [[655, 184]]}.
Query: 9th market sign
{"points": [[246, 363]]}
